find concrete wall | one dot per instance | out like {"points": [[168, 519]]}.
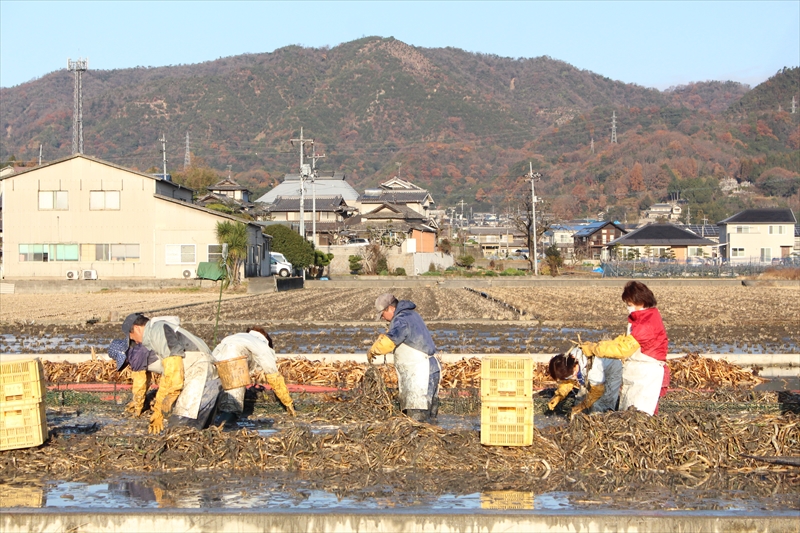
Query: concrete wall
{"points": [[396, 257], [399, 521]]}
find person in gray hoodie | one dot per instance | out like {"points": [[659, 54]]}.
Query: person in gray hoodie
{"points": [[418, 370]]}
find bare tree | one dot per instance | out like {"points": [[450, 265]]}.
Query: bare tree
{"points": [[523, 222]]}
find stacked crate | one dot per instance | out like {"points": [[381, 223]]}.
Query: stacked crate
{"points": [[507, 401], [23, 423]]}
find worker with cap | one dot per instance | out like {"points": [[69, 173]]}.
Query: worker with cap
{"points": [[257, 346], [134, 354], [418, 370], [189, 385]]}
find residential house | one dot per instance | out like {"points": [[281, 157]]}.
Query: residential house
{"points": [[398, 192], [590, 241], [330, 213], [757, 235], [496, 241], [232, 198], [326, 184], [661, 241], [666, 211], [80, 214], [395, 224]]}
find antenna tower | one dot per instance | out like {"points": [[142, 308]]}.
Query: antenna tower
{"points": [[592, 145], [794, 105], [163, 141], [187, 157], [614, 128], [78, 67]]}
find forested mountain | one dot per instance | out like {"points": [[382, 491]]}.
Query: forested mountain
{"points": [[463, 125]]}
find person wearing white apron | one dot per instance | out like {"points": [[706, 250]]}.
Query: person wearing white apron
{"points": [[599, 380], [257, 346], [645, 374], [418, 370], [190, 384]]}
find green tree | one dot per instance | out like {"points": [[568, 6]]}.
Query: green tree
{"points": [[466, 261], [355, 264], [198, 177], [554, 259], [234, 234], [321, 260], [297, 250]]}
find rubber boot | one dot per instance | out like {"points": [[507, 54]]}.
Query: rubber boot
{"points": [[418, 415], [226, 419], [434, 410]]}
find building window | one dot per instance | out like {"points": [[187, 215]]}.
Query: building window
{"points": [[215, 253], [180, 254], [745, 229], [124, 252], [737, 252], [109, 252], [766, 255], [104, 200], [49, 252], [777, 230], [53, 200]]}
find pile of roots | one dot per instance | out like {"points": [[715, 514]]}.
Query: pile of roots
{"points": [[692, 371], [685, 443]]}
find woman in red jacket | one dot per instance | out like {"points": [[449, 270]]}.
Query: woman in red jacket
{"points": [[645, 374]]}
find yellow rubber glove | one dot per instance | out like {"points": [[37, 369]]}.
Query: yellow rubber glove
{"points": [[278, 385], [588, 348], [594, 394], [563, 390], [141, 383], [622, 347], [171, 384], [382, 346], [156, 422]]}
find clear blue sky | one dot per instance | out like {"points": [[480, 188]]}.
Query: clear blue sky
{"points": [[655, 44]]}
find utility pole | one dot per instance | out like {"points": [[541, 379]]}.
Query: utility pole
{"points": [[314, 158], [163, 141], [614, 128], [187, 158], [305, 172], [533, 177], [78, 67]]}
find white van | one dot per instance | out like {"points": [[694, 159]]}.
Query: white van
{"points": [[279, 265]]}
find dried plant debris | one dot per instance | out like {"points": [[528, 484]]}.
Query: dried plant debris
{"points": [[692, 371], [686, 443]]}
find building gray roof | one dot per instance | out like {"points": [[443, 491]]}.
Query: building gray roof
{"points": [[228, 185], [393, 212], [661, 235], [326, 184], [380, 196], [762, 216], [291, 204]]}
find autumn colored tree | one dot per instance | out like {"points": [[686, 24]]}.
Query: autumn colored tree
{"points": [[636, 178]]}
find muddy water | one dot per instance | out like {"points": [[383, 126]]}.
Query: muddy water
{"points": [[260, 492], [503, 337]]}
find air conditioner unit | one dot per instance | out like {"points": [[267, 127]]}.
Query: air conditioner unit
{"points": [[189, 273], [73, 274], [90, 274]]}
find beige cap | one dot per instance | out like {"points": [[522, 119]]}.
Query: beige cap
{"points": [[382, 302]]}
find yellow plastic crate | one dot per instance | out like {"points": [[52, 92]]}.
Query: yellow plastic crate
{"points": [[507, 499], [22, 425], [21, 496], [507, 377], [507, 422], [22, 381]]}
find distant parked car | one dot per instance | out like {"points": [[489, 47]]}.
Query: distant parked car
{"points": [[358, 242], [279, 265]]}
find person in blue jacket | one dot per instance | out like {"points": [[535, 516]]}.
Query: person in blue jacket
{"points": [[418, 370]]}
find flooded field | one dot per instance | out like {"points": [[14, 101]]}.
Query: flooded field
{"points": [[344, 451]]}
